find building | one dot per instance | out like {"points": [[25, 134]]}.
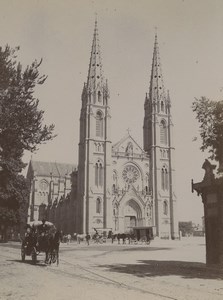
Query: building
{"points": [[121, 185], [50, 193], [125, 185]]}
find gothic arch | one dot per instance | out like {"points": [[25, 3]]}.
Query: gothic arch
{"points": [[164, 178], [99, 173], [163, 132], [165, 207], [99, 123], [134, 205], [98, 205]]}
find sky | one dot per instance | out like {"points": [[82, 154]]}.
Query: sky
{"points": [[191, 46]]}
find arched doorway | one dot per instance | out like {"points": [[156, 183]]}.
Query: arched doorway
{"points": [[132, 215]]}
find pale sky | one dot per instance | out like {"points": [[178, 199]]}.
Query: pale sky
{"points": [[191, 46]]}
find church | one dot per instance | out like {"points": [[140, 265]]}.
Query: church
{"points": [[119, 185]]}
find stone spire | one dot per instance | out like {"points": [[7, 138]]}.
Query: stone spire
{"points": [[95, 80], [156, 91]]}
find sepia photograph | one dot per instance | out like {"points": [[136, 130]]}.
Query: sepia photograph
{"points": [[111, 149]]}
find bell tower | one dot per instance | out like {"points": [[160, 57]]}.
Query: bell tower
{"points": [[93, 207], [158, 143]]}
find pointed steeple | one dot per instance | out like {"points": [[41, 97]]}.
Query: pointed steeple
{"points": [[95, 80], [156, 91]]}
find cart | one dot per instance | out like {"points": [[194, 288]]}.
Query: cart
{"points": [[35, 243], [143, 234]]}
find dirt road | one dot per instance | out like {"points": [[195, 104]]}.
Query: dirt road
{"points": [[164, 270]]}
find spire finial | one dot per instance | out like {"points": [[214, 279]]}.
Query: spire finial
{"points": [[156, 31]]}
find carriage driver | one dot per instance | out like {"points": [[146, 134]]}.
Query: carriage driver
{"points": [[42, 230]]}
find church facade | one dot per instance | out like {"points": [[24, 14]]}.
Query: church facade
{"points": [[115, 186], [124, 185]]}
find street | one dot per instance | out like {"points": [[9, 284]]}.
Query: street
{"points": [[162, 270]]}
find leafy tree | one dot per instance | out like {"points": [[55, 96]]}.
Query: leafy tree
{"points": [[186, 228], [21, 128], [209, 114]]}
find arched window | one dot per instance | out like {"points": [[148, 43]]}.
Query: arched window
{"points": [[99, 175], [99, 124], [163, 132], [98, 205], [99, 96], [162, 106], [164, 178], [165, 208], [96, 174]]}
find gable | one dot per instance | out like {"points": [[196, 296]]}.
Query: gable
{"points": [[127, 146]]}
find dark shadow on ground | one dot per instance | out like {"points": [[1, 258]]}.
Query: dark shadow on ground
{"points": [[146, 248], [153, 268], [39, 263], [103, 248]]}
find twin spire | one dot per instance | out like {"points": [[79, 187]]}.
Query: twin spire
{"points": [[95, 80]]}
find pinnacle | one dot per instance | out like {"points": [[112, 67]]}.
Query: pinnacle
{"points": [[157, 91], [95, 73]]}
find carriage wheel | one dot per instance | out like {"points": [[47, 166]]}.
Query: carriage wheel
{"points": [[34, 256], [23, 254]]}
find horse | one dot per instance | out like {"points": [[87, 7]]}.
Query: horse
{"points": [[52, 249], [130, 237], [80, 237]]}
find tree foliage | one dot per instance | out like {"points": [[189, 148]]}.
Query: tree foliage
{"points": [[21, 128], [209, 114]]}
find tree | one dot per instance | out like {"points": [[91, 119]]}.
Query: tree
{"points": [[186, 228], [209, 114], [21, 128]]}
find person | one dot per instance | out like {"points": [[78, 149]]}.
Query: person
{"points": [[88, 237], [68, 238], [28, 240], [43, 227], [42, 231]]}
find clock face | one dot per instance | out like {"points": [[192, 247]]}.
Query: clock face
{"points": [[130, 174]]}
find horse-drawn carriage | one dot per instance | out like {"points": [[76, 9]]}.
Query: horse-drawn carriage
{"points": [[101, 235], [143, 234], [41, 237]]}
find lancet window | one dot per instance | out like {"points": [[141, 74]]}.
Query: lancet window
{"points": [[164, 178], [99, 176], [163, 132], [99, 124], [98, 205]]}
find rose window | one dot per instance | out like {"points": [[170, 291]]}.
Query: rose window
{"points": [[130, 174]]}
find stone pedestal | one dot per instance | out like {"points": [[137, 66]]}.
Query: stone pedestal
{"points": [[211, 191]]}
